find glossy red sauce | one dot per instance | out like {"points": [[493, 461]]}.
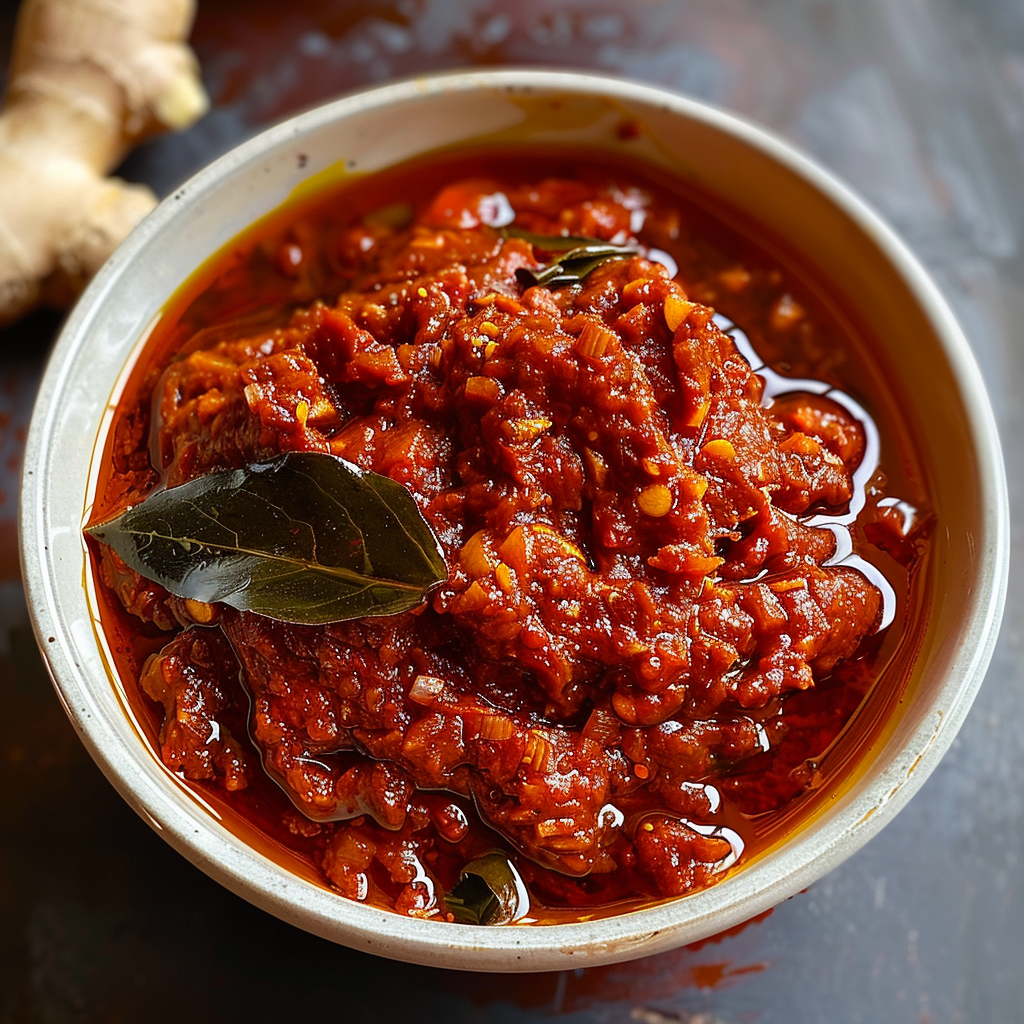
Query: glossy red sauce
{"points": [[682, 593]]}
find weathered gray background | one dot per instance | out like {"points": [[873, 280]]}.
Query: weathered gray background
{"points": [[919, 104]]}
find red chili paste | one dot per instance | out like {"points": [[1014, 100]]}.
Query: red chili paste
{"points": [[659, 615]]}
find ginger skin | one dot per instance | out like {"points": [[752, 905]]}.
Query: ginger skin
{"points": [[88, 80]]}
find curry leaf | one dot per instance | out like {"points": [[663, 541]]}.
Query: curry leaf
{"points": [[488, 891], [549, 243], [305, 537], [577, 257]]}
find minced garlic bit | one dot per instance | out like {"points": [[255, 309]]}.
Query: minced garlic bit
{"points": [[781, 586], [735, 278], [676, 310], [786, 312], [503, 574], [200, 611], [426, 689], [655, 500], [520, 431], [719, 448]]}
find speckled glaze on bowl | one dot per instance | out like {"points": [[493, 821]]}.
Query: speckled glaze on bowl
{"points": [[825, 225]]}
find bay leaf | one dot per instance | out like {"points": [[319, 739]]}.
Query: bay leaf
{"points": [[578, 256], [488, 892], [305, 537]]}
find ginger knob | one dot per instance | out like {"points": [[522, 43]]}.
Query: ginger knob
{"points": [[87, 82]]}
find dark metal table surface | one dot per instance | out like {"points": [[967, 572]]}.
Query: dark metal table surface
{"points": [[919, 104]]}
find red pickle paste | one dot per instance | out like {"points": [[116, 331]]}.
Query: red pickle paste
{"points": [[676, 574]]}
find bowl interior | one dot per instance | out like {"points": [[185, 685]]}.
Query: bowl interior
{"points": [[926, 363]]}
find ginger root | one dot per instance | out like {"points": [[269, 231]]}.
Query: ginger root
{"points": [[88, 80]]}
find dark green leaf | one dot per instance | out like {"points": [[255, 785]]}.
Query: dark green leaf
{"points": [[488, 892], [577, 257], [549, 243], [305, 538]]}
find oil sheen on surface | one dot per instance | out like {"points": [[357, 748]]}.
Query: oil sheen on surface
{"points": [[682, 595]]}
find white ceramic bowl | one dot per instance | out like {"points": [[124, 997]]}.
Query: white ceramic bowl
{"points": [[829, 228]]}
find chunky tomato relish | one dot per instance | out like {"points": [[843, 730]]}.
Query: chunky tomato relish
{"points": [[658, 619]]}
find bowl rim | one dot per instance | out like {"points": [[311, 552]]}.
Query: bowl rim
{"points": [[749, 892]]}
